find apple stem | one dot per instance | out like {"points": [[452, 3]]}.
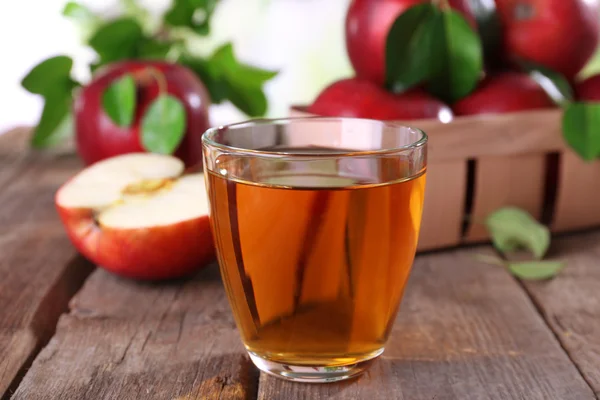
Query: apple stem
{"points": [[442, 4], [159, 78]]}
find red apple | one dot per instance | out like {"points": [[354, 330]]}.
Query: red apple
{"points": [[588, 89], [360, 98], [368, 23], [504, 93], [559, 34], [98, 137], [137, 216]]}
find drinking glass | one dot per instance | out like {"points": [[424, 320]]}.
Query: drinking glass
{"points": [[315, 222]]}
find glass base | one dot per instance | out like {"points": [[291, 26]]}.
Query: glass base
{"points": [[313, 373]]}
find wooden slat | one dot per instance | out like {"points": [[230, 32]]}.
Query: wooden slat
{"points": [[465, 331], [476, 136], [571, 302], [443, 210], [127, 340], [578, 194], [506, 181], [39, 268]]}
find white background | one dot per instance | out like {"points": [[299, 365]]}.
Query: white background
{"points": [[301, 38]]}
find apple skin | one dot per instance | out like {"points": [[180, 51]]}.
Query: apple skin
{"points": [[98, 138], [559, 34], [358, 98], [504, 93], [156, 253], [588, 89], [367, 25]]}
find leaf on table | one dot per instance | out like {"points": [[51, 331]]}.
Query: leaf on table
{"points": [[581, 129], [117, 40], [512, 228], [228, 79], [118, 100], [536, 270], [456, 56], [163, 125], [408, 48], [193, 14], [556, 86]]}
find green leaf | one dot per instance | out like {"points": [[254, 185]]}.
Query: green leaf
{"points": [[155, 49], [44, 77], [79, 12], [512, 228], [163, 125], [554, 84], [83, 17], [216, 87], [117, 40], [456, 56], [407, 50], [536, 270], [131, 8], [118, 100], [228, 79], [194, 14], [581, 129], [52, 80], [51, 127]]}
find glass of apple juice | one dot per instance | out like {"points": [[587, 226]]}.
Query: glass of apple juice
{"points": [[315, 222]]}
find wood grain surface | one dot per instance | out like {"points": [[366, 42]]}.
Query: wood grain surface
{"points": [[125, 340], [466, 330], [39, 268], [571, 302]]}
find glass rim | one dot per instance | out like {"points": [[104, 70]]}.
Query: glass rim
{"points": [[207, 138]]}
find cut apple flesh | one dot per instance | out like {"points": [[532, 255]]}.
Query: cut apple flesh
{"points": [[102, 184], [137, 191], [178, 201]]}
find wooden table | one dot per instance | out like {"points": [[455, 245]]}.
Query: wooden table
{"points": [[465, 330]]}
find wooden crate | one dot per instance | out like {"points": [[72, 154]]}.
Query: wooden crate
{"points": [[481, 163]]}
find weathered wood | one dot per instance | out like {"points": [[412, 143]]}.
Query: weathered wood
{"points": [[466, 330], [500, 181], [570, 303], [578, 194], [443, 210], [126, 340], [38, 265]]}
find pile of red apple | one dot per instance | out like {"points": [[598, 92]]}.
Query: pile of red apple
{"points": [[559, 36]]}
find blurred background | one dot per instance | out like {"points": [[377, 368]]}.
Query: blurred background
{"points": [[303, 39]]}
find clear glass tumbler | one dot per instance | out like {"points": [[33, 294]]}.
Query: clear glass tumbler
{"points": [[315, 222]]}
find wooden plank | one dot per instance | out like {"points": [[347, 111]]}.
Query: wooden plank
{"points": [[128, 340], [443, 210], [39, 268], [570, 303], [466, 330], [527, 132], [506, 181], [578, 194]]}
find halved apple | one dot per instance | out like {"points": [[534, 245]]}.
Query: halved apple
{"points": [[138, 215]]}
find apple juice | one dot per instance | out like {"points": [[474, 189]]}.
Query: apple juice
{"points": [[315, 272]]}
